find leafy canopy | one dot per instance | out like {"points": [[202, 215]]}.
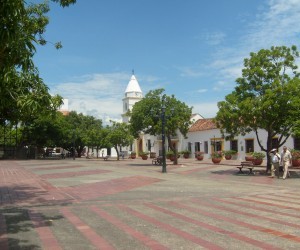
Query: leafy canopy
{"points": [[22, 92], [267, 96]]}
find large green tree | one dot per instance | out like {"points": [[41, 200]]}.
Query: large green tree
{"points": [[119, 136], [267, 97], [146, 116], [23, 93]]}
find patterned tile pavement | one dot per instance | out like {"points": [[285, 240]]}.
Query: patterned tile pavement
{"points": [[130, 204]]}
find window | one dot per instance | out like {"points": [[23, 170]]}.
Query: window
{"points": [[190, 146], [249, 145], [234, 145], [149, 145], [206, 147], [197, 146], [297, 143]]}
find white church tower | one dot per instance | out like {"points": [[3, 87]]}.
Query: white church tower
{"points": [[133, 94]]}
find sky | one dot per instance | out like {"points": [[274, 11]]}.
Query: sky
{"points": [[194, 49]]}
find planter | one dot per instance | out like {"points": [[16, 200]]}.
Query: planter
{"points": [[216, 160], [257, 161], [144, 157], [228, 157], [199, 157], [133, 156], [172, 157], [249, 158], [152, 155], [296, 162], [186, 156]]}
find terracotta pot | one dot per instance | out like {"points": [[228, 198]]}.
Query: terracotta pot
{"points": [[186, 156], [257, 161], [133, 156], [172, 158], [144, 157], [248, 158], [296, 163], [199, 157], [228, 157], [216, 160]]}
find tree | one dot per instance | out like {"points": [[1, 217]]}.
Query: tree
{"points": [[266, 97], [23, 93], [77, 130], [119, 136], [146, 116]]}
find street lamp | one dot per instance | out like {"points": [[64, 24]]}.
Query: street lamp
{"points": [[163, 135], [73, 144]]}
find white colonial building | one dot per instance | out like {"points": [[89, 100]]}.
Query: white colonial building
{"points": [[203, 135]]}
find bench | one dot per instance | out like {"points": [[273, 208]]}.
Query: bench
{"points": [[157, 161], [246, 164], [106, 157]]}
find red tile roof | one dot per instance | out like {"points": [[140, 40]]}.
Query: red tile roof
{"points": [[203, 124]]}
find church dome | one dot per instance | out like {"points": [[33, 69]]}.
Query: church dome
{"points": [[133, 86]]}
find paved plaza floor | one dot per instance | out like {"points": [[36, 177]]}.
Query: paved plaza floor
{"points": [[130, 204]]}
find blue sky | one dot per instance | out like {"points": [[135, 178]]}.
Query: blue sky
{"points": [[193, 49]]}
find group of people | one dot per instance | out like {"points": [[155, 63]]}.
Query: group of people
{"points": [[284, 159]]}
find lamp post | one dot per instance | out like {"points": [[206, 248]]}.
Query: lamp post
{"points": [[163, 117], [163, 123], [73, 144]]}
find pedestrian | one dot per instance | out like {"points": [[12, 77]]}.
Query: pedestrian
{"points": [[275, 159], [286, 161]]}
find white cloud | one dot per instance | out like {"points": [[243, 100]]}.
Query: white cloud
{"points": [[214, 38], [206, 109], [99, 95]]}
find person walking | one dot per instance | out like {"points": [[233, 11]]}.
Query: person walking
{"points": [[275, 159], [286, 161]]}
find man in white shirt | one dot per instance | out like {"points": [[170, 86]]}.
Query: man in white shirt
{"points": [[275, 159], [286, 161]]}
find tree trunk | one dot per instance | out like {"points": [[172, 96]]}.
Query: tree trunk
{"points": [[175, 162], [116, 148]]}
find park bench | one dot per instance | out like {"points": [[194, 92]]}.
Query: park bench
{"points": [[157, 161], [246, 164]]}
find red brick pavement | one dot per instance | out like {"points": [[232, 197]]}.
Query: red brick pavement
{"points": [[208, 221]]}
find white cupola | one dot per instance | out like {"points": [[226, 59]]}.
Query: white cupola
{"points": [[133, 94]]}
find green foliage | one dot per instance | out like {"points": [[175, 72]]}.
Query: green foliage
{"points": [[119, 136], [23, 95], [229, 152], [143, 153], [217, 154], [199, 153], [146, 116], [185, 152], [258, 155], [266, 97], [295, 154]]}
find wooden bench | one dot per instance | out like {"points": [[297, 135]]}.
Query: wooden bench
{"points": [[246, 164], [106, 157], [157, 161]]}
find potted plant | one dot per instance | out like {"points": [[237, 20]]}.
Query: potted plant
{"points": [[216, 156], [228, 154], [249, 157], [258, 158], [186, 153], [171, 155], [133, 155], [199, 155], [295, 157], [144, 155]]}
